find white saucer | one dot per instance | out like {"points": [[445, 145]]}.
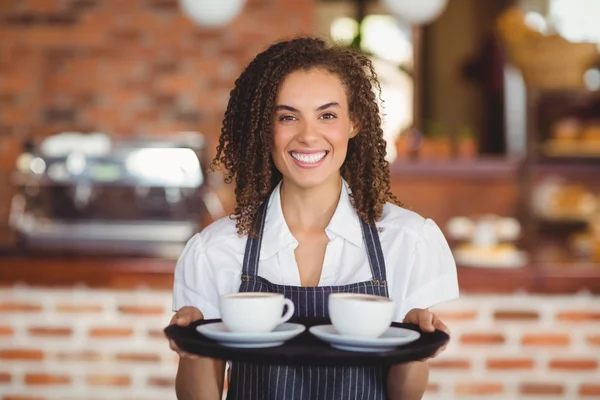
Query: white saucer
{"points": [[219, 332], [391, 338]]}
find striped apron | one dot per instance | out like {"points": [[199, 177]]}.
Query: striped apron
{"points": [[282, 382]]}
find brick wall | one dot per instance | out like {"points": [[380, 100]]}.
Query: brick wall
{"points": [[108, 345], [127, 66], [520, 347], [124, 67]]}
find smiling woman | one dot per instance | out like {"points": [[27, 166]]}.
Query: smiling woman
{"points": [[302, 140]]}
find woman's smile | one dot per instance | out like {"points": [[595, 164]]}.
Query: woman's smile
{"points": [[308, 159]]}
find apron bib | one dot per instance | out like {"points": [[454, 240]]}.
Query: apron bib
{"points": [[281, 382]]}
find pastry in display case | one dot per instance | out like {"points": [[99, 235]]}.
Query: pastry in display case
{"points": [[586, 244], [558, 199], [559, 189], [571, 137], [487, 241]]}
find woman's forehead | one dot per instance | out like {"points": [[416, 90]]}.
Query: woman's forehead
{"points": [[311, 87]]}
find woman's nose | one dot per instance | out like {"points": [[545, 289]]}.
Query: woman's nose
{"points": [[309, 133]]}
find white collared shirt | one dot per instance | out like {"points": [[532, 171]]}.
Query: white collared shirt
{"points": [[420, 268]]}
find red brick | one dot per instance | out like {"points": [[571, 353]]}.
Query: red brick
{"points": [[574, 364], [137, 357], [47, 379], [160, 381], [541, 389], [42, 5], [110, 332], [516, 315], [20, 307], [6, 331], [593, 340], [14, 116], [22, 354], [109, 380], [450, 364], [482, 339], [78, 356], [17, 397], [432, 388], [509, 363], [5, 377], [590, 389], [549, 339], [479, 388], [17, 82], [176, 84], [50, 331], [142, 310], [156, 334], [79, 308], [457, 316], [578, 316]]}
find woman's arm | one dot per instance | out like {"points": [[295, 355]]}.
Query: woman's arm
{"points": [[199, 379], [408, 381]]}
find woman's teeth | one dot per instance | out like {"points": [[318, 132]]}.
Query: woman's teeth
{"points": [[309, 158]]}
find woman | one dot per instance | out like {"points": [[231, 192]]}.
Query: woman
{"points": [[302, 139]]}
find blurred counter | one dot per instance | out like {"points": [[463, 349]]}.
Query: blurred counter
{"points": [[96, 272], [467, 187], [155, 273]]}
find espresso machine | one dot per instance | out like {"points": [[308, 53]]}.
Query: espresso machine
{"points": [[89, 193]]}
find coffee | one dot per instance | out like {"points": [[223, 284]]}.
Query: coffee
{"points": [[365, 298]]}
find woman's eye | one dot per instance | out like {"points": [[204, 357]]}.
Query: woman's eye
{"points": [[328, 116], [287, 118]]}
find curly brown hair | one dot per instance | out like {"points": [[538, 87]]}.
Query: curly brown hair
{"points": [[246, 140]]}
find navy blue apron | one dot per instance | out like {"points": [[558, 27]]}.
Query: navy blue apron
{"points": [[282, 382]]}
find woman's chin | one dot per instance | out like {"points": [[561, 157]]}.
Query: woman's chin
{"points": [[310, 181]]}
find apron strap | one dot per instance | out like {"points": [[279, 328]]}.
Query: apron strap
{"points": [[374, 252], [253, 244], [370, 236]]}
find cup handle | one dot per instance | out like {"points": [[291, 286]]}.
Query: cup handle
{"points": [[290, 310]]}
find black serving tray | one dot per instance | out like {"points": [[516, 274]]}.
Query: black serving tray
{"points": [[306, 349]]}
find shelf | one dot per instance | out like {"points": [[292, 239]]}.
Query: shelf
{"points": [[549, 222], [576, 150], [568, 168], [484, 168]]}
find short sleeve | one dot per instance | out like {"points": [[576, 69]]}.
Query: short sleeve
{"points": [[433, 278], [194, 280]]}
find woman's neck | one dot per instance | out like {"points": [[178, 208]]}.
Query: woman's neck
{"points": [[309, 210]]}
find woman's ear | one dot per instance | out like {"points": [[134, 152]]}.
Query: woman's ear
{"points": [[355, 129]]}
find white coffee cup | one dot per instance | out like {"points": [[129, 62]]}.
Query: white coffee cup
{"points": [[360, 315], [254, 312]]}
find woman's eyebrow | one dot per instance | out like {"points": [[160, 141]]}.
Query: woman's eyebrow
{"points": [[328, 105], [286, 108], [320, 108]]}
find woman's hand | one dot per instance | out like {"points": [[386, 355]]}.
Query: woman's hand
{"points": [[427, 322], [183, 317]]}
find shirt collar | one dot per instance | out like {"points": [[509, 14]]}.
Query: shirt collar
{"points": [[276, 235], [345, 221]]}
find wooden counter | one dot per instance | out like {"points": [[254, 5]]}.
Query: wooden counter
{"points": [[128, 273]]}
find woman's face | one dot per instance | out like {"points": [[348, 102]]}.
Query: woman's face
{"points": [[312, 127]]}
